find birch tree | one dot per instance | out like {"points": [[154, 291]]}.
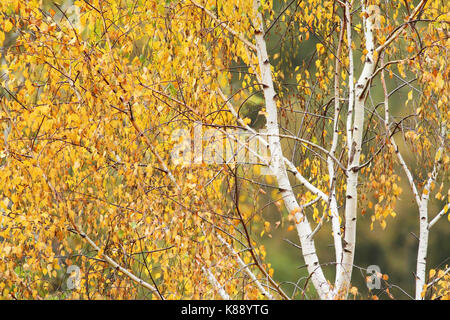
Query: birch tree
{"points": [[140, 137]]}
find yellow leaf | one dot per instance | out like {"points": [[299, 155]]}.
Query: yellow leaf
{"points": [[439, 82], [410, 95], [432, 273], [316, 213], [7, 249], [320, 48], [438, 155], [8, 26]]}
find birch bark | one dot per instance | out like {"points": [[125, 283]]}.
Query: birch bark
{"points": [[277, 163], [421, 200], [424, 226], [355, 135]]}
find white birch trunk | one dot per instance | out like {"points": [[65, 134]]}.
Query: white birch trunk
{"points": [[343, 279], [213, 281], [278, 167], [424, 226], [422, 250], [422, 201], [351, 85], [335, 223], [247, 269]]}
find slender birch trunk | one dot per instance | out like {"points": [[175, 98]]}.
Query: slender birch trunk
{"points": [[424, 225], [355, 135], [423, 248], [421, 200], [278, 166], [335, 221]]}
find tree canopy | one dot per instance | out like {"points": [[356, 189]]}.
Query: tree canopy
{"points": [[143, 141]]}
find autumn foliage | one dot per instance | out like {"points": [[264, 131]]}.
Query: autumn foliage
{"points": [[93, 94]]}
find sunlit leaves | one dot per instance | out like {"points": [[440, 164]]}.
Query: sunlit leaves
{"points": [[97, 93]]}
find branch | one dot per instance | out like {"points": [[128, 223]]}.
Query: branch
{"points": [[247, 269], [234, 33], [216, 283], [397, 32], [328, 153], [392, 140], [117, 266], [438, 216], [438, 278], [290, 165]]}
